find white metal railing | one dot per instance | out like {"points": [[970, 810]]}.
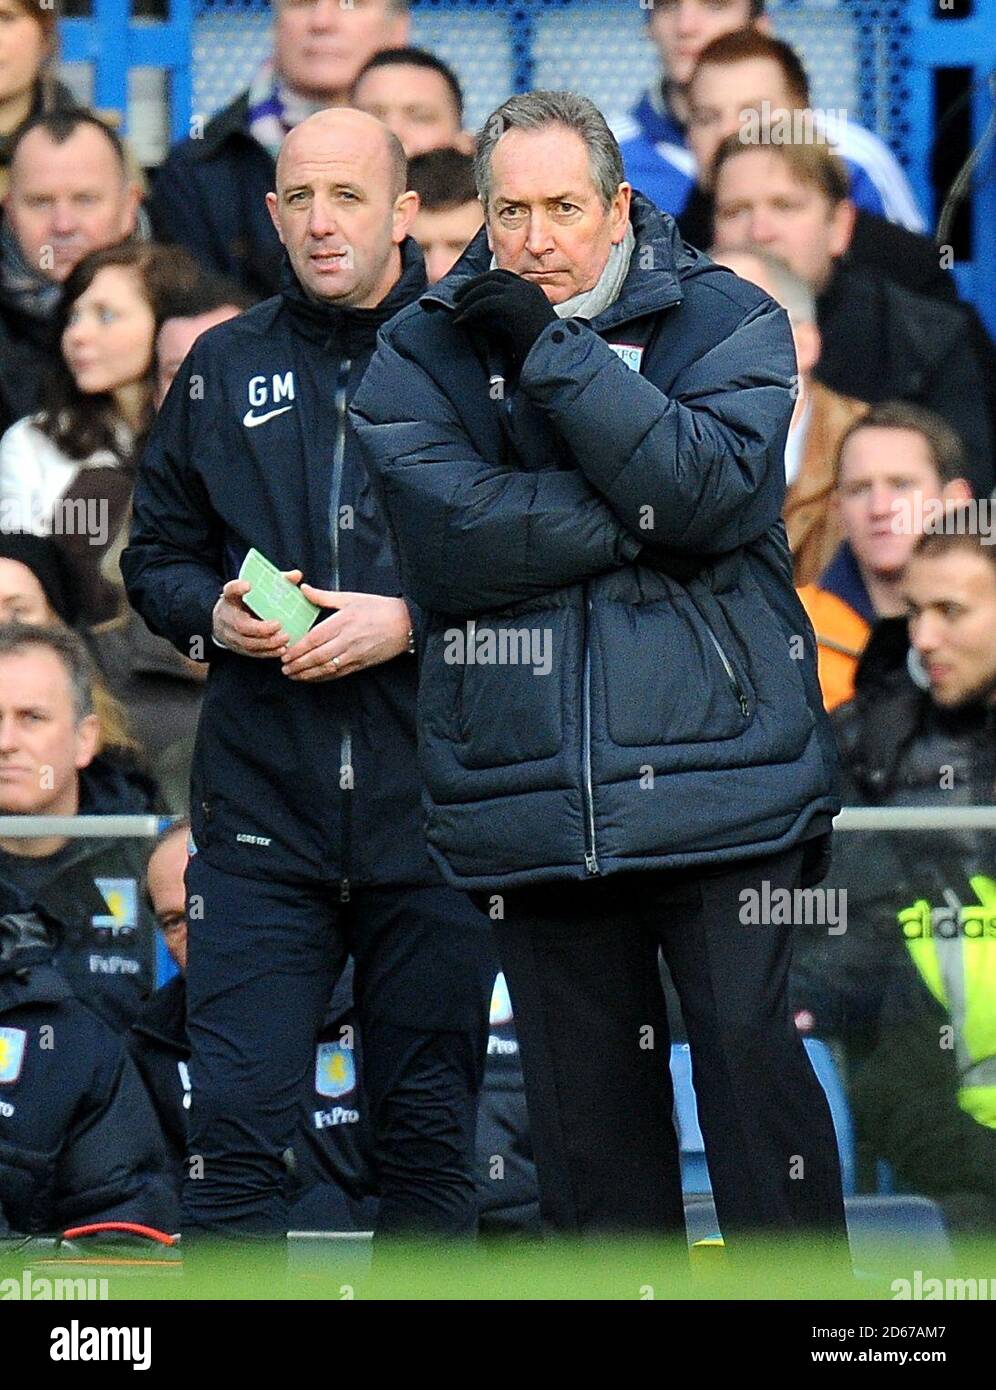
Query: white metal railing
{"points": [[850, 818]]}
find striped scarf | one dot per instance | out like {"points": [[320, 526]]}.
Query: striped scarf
{"points": [[274, 110]]}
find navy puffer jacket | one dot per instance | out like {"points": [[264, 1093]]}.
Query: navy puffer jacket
{"points": [[616, 673]]}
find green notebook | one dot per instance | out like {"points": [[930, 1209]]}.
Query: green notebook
{"points": [[273, 596]]}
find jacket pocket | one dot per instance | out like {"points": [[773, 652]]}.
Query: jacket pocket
{"points": [[670, 675], [511, 687]]}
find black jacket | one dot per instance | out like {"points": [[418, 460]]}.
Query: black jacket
{"points": [[883, 342], [27, 348], [79, 1142], [271, 783], [209, 196], [626, 524]]}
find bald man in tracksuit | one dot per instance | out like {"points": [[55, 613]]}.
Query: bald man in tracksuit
{"points": [[305, 798]]}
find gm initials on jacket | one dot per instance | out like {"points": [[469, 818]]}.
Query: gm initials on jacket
{"points": [[281, 388]]}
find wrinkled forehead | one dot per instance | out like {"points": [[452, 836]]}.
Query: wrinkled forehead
{"points": [[537, 165]]}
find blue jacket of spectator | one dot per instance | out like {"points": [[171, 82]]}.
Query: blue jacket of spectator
{"points": [[608, 676], [843, 578], [210, 197], [312, 781], [666, 174], [657, 160]]}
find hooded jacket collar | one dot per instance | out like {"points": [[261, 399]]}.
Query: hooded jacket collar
{"points": [[652, 283], [29, 977], [351, 330]]}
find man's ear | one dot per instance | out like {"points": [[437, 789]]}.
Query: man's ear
{"points": [[807, 346], [464, 142], [619, 211], [958, 490], [842, 220], [87, 741], [405, 209], [762, 24], [133, 201], [271, 207]]}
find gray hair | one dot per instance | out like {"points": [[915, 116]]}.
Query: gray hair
{"points": [[21, 637], [536, 111], [794, 294]]}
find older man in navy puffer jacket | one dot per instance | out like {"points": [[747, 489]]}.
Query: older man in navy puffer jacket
{"points": [[579, 441]]}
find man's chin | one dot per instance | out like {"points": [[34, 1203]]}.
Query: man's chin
{"points": [[952, 698]]}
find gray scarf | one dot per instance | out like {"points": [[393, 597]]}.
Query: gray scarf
{"points": [[23, 287], [590, 303]]}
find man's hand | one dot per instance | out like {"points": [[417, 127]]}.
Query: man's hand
{"points": [[504, 305], [237, 628], [365, 630]]}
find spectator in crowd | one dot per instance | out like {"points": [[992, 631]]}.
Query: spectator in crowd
{"points": [[894, 467], [80, 1143], [449, 211], [331, 1178], [37, 587], [746, 80], [891, 464], [880, 341], [70, 193], [653, 137], [203, 305], [908, 988], [28, 84], [819, 420], [533, 505], [306, 756], [719, 60], [210, 194], [885, 247], [48, 739], [69, 470], [416, 95], [812, 521]]}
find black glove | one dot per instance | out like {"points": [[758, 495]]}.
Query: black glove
{"points": [[500, 304]]}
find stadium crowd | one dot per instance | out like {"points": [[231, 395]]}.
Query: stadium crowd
{"points": [[106, 286]]}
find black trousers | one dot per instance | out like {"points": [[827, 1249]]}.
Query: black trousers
{"points": [[262, 960], [581, 963]]}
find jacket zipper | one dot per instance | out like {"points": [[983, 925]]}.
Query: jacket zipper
{"points": [[346, 735], [590, 857], [737, 687]]}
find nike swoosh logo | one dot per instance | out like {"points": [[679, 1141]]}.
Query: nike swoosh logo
{"points": [[251, 421]]}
